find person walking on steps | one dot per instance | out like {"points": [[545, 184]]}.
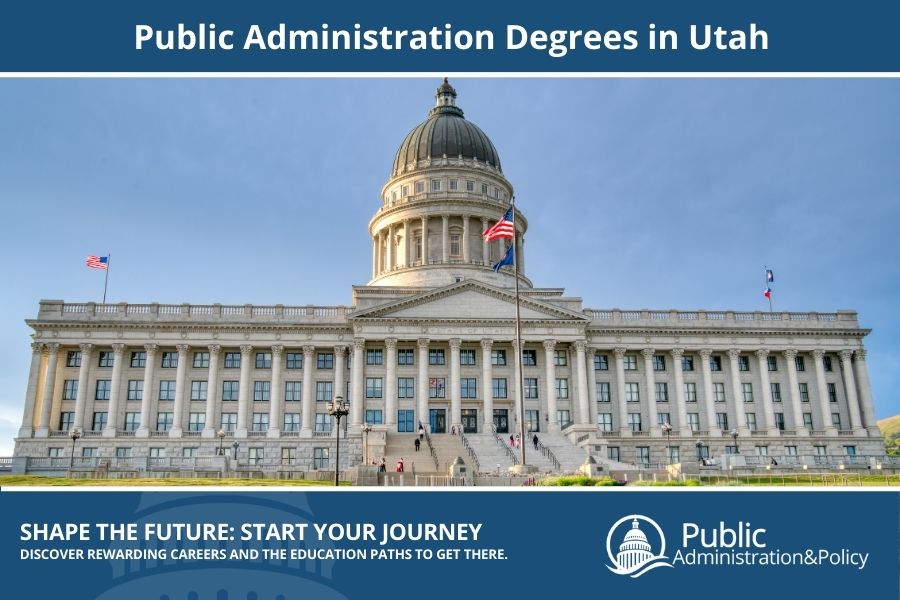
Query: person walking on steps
{"points": [[421, 431], [535, 441], [417, 444]]}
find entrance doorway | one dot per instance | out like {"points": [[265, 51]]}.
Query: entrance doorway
{"points": [[470, 420], [501, 420], [438, 420]]}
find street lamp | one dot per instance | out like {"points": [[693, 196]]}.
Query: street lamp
{"points": [[235, 447], [734, 436], [221, 435], [365, 429], [75, 433], [338, 409], [699, 445], [667, 429]]}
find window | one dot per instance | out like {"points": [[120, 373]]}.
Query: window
{"points": [[532, 419], [73, 358], [632, 392], [436, 357], [850, 450], [562, 388], [374, 356], [294, 360], [169, 360], [470, 185], [719, 392], [702, 452], [229, 421], [826, 363], [406, 356], [102, 389], [406, 387], [289, 455], [323, 423], [820, 450], [662, 392], [722, 421], [772, 362], [498, 358], [373, 416], [832, 393], [138, 360], [499, 387], [132, 421], [261, 391], [751, 421], [163, 421], [135, 389], [292, 391], [779, 421], [674, 454], [437, 387], [663, 418], [99, 421], [291, 421], [230, 391], [468, 387], [634, 421], [715, 363], [529, 358], [690, 392], [88, 452], [560, 358], [744, 363], [799, 363], [659, 362], [374, 387], [420, 187], [324, 391], [747, 391], [166, 390], [603, 391], [776, 392], [263, 360], [320, 455], [601, 362], [232, 360], [105, 359], [453, 184], [418, 246], [435, 185], [804, 392], [642, 455], [201, 360], [630, 362], [687, 363], [604, 421], [199, 390], [762, 450], [694, 421], [484, 188], [836, 420], [563, 418], [790, 451], [467, 357], [196, 421], [255, 455], [404, 191], [66, 421], [454, 244], [189, 452], [325, 360], [405, 421], [123, 452], [260, 422], [731, 450], [807, 421], [531, 387], [612, 453], [70, 389]]}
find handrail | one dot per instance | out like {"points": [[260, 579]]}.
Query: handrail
{"points": [[548, 453], [434, 457], [509, 452], [471, 451]]}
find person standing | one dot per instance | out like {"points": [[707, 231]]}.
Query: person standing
{"points": [[383, 466], [535, 441], [421, 431], [417, 444]]}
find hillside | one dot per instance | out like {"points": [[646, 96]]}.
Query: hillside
{"points": [[890, 429]]}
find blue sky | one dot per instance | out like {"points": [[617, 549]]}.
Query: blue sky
{"points": [[641, 193]]}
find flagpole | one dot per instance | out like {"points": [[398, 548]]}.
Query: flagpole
{"points": [[766, 271], [519, 348], [106, 277]]}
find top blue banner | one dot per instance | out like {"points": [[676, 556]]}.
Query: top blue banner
{"points": [[278, 36]]}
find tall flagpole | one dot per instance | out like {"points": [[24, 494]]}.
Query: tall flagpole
{"points": [[519, 349], [106, 277]]}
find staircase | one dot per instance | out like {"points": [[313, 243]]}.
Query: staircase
{"points": [[570, 457], [447, 447]]}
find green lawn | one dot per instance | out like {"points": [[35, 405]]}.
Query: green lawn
{"points": [[29, 480]]}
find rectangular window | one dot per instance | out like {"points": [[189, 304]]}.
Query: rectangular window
{"points": [[232, 360], [762, 450], [255, 455], [323, 423], [634, 421], [132, 421], [66, 421], [263, 360], [820, 450], [836, 420], [630, 362], [405, 421], [373, 416], [289, 455], [529, 358], [776, 392], [662, 392], [532, 419], [406, 387], [199, 390], [779, 421], [499, 387], [189, 452], [560, 358], [807, 421], [166, 390], [325, 360], [292, 391], [320, 455], [612, 453], [437, 387], [826, 363], [135, 389], [123, 452], [261, 391], [642, 455], [374, 356], [659, 362], [790, 451], [468, 387], [744, 363], [406, 356], [832, 393], [715, 363], [229, 421], [436, 357], [470, 185], [105, 359], [230, 391], [687, 363], [601, 362], [663, 418], [850, 450], [260, 421], [102, 389], [324, 391], [164, 421], [420, 187], [467, 357], [719, 392], [196, 421], [99, 421], [292, 421], [73, 358], [169, 360], [454, 184], [484, 188], [694, 421], [531, 387], [751, 421], [138, 360], [603, 391], [674, 454], [498, 358], [604, 421], [201, 360], [562, 388], [404, 191], [747, 391], [70, 389], [454, 244], [374, 387], [772, 362], [435, 185], [799, 363], [690, 392], [632, 392], [294, 360], [804, 392], [563, 418], [88, 452], [722, 421]]}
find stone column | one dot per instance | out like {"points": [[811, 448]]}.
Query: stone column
{"points": [[708, 401], [584, 411], [850, 387], [424, 239], [737, 393], [389, 249], [244, 392], [551, 405], [407, 234], [790, 356], [374, 256], [624, 428], [49, 385], [340, 387], [455, 402], [822, 393], [390, 383], [520, 254], [276, 393], [650, 378], [308, 400], [487, 377], [592, 385], [180, 384], [485, 245], [680, 405], [83, 374], [465, 239], [147, 397], [865, 392], [422, 385], [115, 392], [212, 393], [357, 405], [25, 431], [445, 233], [768, 408]]}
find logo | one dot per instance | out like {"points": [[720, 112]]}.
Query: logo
{"points": [[635, 556]]}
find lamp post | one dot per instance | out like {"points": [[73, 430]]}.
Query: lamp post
{"points": [[699, 445], [235, 447], [365, 429], [734, 437], [221, 435], [74, 434], [667, 429], [338, 409]]}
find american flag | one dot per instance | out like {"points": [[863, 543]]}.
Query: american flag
{"points": [[97, 262], [502, 229]]}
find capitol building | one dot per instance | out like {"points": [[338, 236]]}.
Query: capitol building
{"points": [[430, 340]]}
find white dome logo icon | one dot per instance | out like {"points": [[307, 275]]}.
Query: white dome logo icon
{"points": [[635, 556]]}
